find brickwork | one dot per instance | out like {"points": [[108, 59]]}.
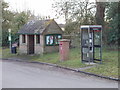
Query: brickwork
{"points": [[22, 46], [39, 47]]}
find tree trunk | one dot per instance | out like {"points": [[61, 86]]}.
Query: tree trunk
{"points": [[100, 14]]}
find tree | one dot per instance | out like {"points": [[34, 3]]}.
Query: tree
{"points": [[0, 23], [14, 21], [83, 12], [75, 11], [100, 13], [114, 23], [20, 19], [62, 8], [71, 27], [100, 17], [7, 17]]}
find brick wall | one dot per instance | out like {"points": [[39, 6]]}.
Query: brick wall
{"points": [[39, 47], [22, 46]]}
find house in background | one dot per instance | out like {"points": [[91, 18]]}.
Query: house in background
{"points": [[39, 36], [62, 26]]}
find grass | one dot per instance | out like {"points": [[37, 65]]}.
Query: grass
{"points": [[109, 67], [6, 54], [73, 62]]}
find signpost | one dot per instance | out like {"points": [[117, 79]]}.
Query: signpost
{"points": [[9, 38]]}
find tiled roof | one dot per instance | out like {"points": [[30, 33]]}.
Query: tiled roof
{"points": [[35, 27]]}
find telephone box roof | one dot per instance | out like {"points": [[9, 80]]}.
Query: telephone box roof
{"points": [[88, 26]]}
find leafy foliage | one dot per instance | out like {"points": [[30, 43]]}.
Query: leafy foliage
{"points": [[71, 27], [14, 21], [6, 22], [114, 21], [76, 13], [82, 12]]}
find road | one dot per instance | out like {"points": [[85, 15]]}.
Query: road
{"points": [[30, 75]]}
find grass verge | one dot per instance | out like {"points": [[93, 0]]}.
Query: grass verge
{"points": [[109, 67]]}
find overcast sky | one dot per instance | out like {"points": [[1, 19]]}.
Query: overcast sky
{"points": [[41, 7]]}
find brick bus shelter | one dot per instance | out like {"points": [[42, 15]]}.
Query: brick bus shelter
{"points": [[39, 36]]}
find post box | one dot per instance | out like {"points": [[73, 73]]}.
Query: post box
{"points": [[64, 49]]}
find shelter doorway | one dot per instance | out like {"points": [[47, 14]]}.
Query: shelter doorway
{"points": [[30, 44]]}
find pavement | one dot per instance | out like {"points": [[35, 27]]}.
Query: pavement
{"points": [[32, 75]]}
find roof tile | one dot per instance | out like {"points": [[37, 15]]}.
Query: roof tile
{"points": [[35, 27]]}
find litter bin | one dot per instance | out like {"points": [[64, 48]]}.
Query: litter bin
{"points": [[13, 50], [64, 49]]}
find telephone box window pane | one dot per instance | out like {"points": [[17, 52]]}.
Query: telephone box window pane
{"points": [[97, 39]]}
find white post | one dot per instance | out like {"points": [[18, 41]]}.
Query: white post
{"points": [[9, 30]]}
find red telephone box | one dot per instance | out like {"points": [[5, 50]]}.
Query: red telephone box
{"points": [[64, 49]]}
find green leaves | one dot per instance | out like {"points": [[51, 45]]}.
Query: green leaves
{"points": [[14, 21], [75, 10], [71, 27], [113, 16]]}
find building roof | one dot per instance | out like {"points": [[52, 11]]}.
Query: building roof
{"points": [[35, 27]]}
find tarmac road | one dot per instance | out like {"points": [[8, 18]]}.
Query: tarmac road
{"points": [[30, 75]]}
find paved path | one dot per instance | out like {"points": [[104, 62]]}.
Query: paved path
{"points": [[30, 75]]}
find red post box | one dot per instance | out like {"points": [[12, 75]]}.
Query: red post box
{"points": [[64, 49]]}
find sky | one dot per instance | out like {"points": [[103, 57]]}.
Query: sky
{"points": [[38, 7], [43, 7]]}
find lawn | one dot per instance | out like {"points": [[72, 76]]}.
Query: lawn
{"points": [[6, 54], [73, 62], [109, 67]]}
